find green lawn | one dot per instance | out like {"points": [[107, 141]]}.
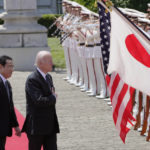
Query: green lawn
{"points": [[57, 52]]}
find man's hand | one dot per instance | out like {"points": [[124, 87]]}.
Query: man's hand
{"points": [[55, 95], [18, 131], [53, 91]]}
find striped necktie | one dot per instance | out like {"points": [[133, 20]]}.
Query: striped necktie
{"points": [[48, 82]]}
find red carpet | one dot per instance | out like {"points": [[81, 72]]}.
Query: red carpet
{"points": [[17, 143]]}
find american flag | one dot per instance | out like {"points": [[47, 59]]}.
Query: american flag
{"points": [[105, 28], [120, 93]]}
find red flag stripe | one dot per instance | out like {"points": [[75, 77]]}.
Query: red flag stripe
{"points": [[124, 130], [115, 97], [122, 109], [114, 86], [121, 95], [107, 79], [120, 99]]}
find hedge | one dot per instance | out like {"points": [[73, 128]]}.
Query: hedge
{"points": [[47, 21]]}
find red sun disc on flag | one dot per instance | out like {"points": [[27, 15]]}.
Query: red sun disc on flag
{"points": [[137, 50]]}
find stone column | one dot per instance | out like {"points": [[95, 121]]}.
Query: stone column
{"points": [[21, 37]]}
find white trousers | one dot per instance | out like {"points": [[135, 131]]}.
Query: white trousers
{"points": [[68, 63], [81, 77], [135, 108], [85, 74], [91, 74], [74, 66], [100, 77], [144, 106]]}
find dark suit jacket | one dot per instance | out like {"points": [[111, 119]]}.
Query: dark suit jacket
{"points": [[41, 118], [7, 113]]}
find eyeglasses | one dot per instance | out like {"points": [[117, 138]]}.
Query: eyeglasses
{"points": [[9, 66]]}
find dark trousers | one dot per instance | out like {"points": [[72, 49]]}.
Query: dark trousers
{"points": [[2, 143], [49, 142]]}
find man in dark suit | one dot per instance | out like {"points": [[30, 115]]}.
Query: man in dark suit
{"points": [[41, 123], [7, 114]]}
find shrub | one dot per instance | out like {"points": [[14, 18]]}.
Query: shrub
{"points": [[47, 20], [1, 22]]}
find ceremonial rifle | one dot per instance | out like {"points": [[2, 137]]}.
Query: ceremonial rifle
{"points": [[55, 21]]}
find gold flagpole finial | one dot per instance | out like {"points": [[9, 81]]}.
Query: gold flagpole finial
{"points": [[95, 4]]}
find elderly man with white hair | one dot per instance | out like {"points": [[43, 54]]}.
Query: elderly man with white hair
{"points": [[41, 123]]}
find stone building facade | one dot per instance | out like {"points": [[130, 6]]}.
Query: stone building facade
{"points": [[43, 6]]}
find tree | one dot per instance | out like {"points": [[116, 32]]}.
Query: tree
{"points": [[88, 4], [121, 3], [140, 5]]}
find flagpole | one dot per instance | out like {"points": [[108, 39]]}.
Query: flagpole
{"points": [[126, 18], [99, 1]]}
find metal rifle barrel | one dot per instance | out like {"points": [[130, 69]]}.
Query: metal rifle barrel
{"points": [[54, 22], [64, 38], [52, 25]]}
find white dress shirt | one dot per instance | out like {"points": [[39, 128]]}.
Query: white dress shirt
{"points": [[3, 78], [42, 73]]}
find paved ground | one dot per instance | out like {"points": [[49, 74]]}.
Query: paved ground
{"points": [[85, 123]]}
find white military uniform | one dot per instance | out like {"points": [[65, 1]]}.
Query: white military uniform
{"points": [[89, 52], [81, 49], [65, 45], [98, 65], [74, 77], [78, 59], [73, 56]]}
